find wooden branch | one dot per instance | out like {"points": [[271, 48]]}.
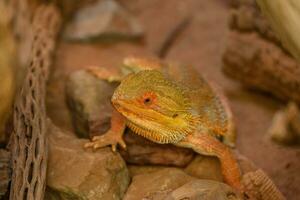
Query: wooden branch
{"points": [[28, 142], [262, 65], [5, 169], [246, 17]]}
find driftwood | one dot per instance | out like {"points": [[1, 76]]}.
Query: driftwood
{"points": [[261, 186], [246, 17], [4, 171], [262, 65], [28, 143]]}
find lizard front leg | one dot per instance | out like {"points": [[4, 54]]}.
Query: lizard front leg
{"points": [[208, 145], [113, 136]]}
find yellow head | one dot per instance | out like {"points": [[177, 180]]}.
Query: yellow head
{"points": [[155, 106]]}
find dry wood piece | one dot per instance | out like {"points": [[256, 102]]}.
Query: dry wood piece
{"points": [[4, 171], [262, 65], [28, 142], [246, 17], [261, 186]]}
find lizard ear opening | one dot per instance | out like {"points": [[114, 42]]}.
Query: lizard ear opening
{"points": [[175, 115]]}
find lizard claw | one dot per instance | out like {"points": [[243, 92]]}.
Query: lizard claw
{"points": [[106, 140]]}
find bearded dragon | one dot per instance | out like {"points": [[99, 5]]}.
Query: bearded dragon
{"points": [[168, 103]]}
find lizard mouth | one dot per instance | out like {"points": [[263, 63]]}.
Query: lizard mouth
{"points": [[153, 125]]}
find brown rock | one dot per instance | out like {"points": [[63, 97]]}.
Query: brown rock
{"points": [[75, 173], [208, 167], [246, 165], [205, 167], [156, 185], [89, 101], [144, 152], [104, 18], [204, 190], [135, 170], [285, 127], [262, 65]]}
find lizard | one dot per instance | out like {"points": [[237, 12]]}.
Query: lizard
{"points": [[169, 103]]}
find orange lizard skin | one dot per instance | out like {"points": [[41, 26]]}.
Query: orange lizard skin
{"points": [[171, 104]]}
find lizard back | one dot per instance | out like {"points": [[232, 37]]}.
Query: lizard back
{"points": [[204, 99]]}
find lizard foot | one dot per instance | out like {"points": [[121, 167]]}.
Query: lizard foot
{"points": [[107, 139]]}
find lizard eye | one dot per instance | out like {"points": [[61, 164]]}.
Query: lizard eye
{"points": [[148, 98], [147, 101]]}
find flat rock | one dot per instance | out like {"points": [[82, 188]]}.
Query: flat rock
{"points": [[144, 152], [204, 190], [75, 173], [156, 185]]}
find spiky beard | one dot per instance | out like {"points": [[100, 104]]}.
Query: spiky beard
{"points": [[163, 135]]}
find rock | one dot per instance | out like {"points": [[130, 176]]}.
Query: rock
{"points": [[135, 170], [204, 190], [285, 127], [75, 173], [205, 167], [89, 101], [144, 152], [156, 185], [246, 165], [104, 18]]}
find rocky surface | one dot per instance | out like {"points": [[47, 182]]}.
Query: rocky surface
{"points": [[76, 173], [144, 152], [204, 190], [172, 183], [104, 18], [156, 185], [89, 100], [285, 127], [146, 169], [205, 167]]}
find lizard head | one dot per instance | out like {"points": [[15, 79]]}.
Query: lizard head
{"points": [[155, 106]]}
